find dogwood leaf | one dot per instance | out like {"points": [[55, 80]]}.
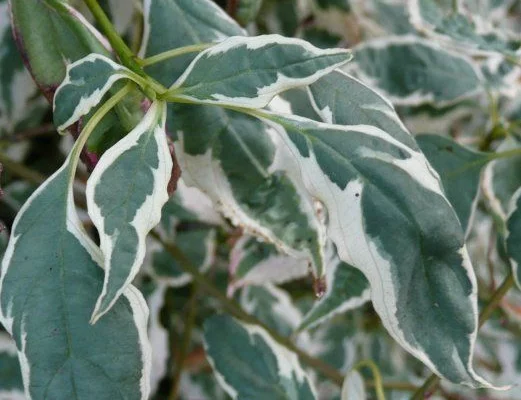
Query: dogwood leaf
{"points": [[248, 363], [250, 71], [86, 82], [381, 196], [397, 67], [50, 280], [513, 238], [460, 171], [125, 194]]}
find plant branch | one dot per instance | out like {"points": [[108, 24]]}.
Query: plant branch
{"points": [[187, 337], [126, 55], [431, 384], [175, 53], [377, 383], [21, 170]]}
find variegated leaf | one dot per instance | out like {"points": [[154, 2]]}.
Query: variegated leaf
{"points": [[347, 288], [396, 66], [248, 363], [253, 262], [441, 21], [250, 71], [388, 217], [49, 283], [272, 306], [513, 237], [501, 180], [213, 142], [11, 383], [198, 21], [460, 171], [85, 84], [125, 194], [231, 158]]}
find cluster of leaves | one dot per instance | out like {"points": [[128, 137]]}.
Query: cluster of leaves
{"points": [[295, 199]]}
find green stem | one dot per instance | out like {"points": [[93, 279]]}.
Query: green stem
{"points": [[187, 337], [120, 47], [504, 154], [431, 384], [175, 53], [378, 384]]}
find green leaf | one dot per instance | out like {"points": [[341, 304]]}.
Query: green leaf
{"points": [[459, 169], [11, 383], [62, 35], [247, 11], [353, 387], [459, 28], [397, 67], [249, 72], [49, 283], [19, 108], [513, 237], [342, 5], [249, 364], [124, 210], [272, 306], [86, 82], [253, 262], [389, 218], [347, 288], [197, 21]]}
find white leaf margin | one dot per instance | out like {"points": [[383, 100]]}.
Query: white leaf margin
{"points": [[149, 214], [266, 93]]}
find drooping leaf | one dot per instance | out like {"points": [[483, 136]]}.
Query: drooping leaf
{"points": [[513, 237], [250, 71], [347, 288], [197, 21], [397, 66], [459, 169], [353, 387], [272, 306], [50, 280], [125, 194], [389, 218], [441, 21], [86, 82], [11, 383], [62, 35], [256, 263], [232, 158], [249, 364], [228, 155]]}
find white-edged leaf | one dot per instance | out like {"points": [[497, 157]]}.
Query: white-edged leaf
{"points": [[250, 71], [411, 71], [248, 363], [501, 179], [253, 262], [513, 237], [231, 158], [50, 280], [125, 194], [199, 21], [346, 289], [272, 306], [460, 171], [85, 84], [353, 387], [460, 28], [388, 217]]}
